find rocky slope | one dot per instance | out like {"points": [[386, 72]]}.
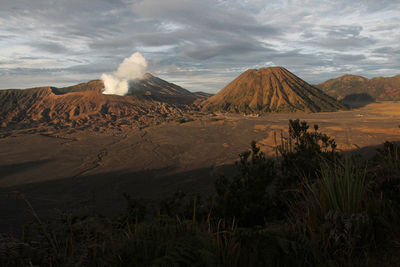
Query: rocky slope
{"points": [[380, 88], [272, 89], [84, 106]]}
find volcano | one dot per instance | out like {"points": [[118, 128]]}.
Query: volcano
{"points": [[150, 100], [149, 87], [161, 90], [272, 89]]}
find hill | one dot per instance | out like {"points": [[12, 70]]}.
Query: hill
{"points": [[272, 89], [95, 85], [151, 100], [380, 88]]}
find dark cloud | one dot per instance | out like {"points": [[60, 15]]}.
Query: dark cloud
{"points": [[387, 50], [344, 31], [345, 44], [51, 47], [339, 38], [235, 48], [349, 58], [374, 6]]}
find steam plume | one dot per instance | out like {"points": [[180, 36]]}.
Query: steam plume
{"points": [[117, 83]]}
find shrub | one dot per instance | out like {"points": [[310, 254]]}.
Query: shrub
{"points": [[302, 152], [384, 181], [167, 242], [248, 196], [135, 210]]}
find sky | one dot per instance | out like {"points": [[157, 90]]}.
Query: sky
{"points": [[200, 45]]}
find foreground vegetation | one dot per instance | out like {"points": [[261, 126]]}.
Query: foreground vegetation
{"points": [[308, 206]]}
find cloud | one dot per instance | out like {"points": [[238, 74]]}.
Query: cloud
{"points": [[349, 58], [206, 42], [207, 51], [50, 47], [387, 50]]}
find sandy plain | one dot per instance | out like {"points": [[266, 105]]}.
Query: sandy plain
{"points": [[86, 171]]}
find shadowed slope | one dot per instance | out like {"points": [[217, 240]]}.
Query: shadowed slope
{"points": [[161, 90], [270, 90], [358, 100]]}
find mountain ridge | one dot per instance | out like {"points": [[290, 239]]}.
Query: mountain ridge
{"points": [[85, 106], [380, 88]]}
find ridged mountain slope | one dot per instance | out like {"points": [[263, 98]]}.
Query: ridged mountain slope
{"points": [[272, 89]]}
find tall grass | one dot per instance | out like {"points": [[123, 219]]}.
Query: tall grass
{"points": [[392, 155], [342, 187], [332, 211]]}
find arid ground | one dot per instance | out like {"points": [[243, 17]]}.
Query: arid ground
{"points": [[81, 171]]}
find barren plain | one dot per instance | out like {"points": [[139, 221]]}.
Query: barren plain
{"points": [[84, 170]]}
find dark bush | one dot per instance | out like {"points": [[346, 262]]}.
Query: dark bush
{"points": [[248, 197], [302, 152]]}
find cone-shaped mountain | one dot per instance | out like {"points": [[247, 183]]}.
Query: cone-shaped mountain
{"points": [[272, 89]]}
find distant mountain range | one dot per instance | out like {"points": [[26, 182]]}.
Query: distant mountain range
{"points": [[152, 100], [380, 88], [272, 89]]}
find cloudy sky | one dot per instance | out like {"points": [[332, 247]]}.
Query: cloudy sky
{"points": [[198, 44]]}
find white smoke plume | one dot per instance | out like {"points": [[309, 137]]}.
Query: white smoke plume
{"points": [[117, 83]]}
